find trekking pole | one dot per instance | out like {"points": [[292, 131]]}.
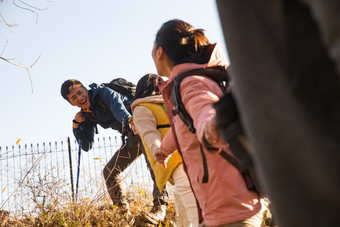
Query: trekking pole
{"points": [[70, 161], [79, 153]]}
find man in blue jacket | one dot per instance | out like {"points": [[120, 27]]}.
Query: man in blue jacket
{"points": [[110, 109]]}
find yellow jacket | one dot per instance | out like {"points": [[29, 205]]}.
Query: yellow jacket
{"points": [[152, 124]]}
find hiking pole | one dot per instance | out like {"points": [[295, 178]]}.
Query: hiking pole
{"points": [[79, 153], [70, 161]]}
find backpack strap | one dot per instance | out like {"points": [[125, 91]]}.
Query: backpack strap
{"points": [[179, 107], [218, 74], [163, 126]]}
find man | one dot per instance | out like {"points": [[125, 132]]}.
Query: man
{"points": [[110, 109], [285, 58]]}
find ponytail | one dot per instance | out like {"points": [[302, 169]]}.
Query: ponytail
{"points": [[182, 42]]}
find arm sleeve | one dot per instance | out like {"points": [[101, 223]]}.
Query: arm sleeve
{"points": [[146, 126], [114, 101], [198, 94], [85, 132], [168, 145]]}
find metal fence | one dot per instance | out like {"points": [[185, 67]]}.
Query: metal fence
{"points": [[44, 174]]}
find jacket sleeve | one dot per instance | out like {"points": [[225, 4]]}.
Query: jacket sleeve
{"points": [[198, 94], [146, 126], [168, 145], [85, 132], [114, 101]]}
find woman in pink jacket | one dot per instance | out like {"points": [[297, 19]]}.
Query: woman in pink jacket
{"points": [[222, 197]]}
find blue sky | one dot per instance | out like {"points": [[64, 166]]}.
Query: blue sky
{"points": [[93, 41]]}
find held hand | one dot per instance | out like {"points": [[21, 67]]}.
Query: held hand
{"points": [[78, 118], [161, 158], [133, 128], [212, 135]]}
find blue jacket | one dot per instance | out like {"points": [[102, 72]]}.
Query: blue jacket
{"points": [[110, 110]]}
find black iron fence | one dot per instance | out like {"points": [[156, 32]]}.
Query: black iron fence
{"points": [[45, 174]]}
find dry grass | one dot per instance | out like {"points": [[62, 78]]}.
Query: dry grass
{"points": [[47, 198], [91, 213]]}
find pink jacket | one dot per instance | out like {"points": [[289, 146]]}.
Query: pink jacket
{"points": [[225, 198]]}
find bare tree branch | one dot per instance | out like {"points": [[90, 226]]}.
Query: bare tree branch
{"points": [[35, 61], [37, 15], [29, 76], [4, 48], [22, 181], [23, 66], [25, 6], [33, 7], [5, 23]]}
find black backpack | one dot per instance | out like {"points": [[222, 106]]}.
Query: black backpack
{"points": [[122, 86], [243, 162]]}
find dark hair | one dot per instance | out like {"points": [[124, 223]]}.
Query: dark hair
{"points": [[182, 42], [67, 86], [147, 86]]}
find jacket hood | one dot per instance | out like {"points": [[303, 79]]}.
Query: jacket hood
{"points": [[216, 58], [149, 99], [93, 91]]}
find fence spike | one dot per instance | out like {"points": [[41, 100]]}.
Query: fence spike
{"points": [[52, 160]]}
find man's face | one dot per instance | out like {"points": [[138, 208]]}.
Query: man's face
{"points": [[79, 96]]}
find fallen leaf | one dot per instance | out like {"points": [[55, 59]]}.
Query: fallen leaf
{"points": [[4, 189], [18, 141]]}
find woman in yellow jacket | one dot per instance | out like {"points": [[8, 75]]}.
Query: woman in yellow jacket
{"points": [[151, 122]]}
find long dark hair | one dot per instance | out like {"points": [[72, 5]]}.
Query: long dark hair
{"points": [[147, 86], [183, 43]]}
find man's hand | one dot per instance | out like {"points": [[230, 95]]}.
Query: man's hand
{"points": [[133, 128], [212, 135], [78, 118]]}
